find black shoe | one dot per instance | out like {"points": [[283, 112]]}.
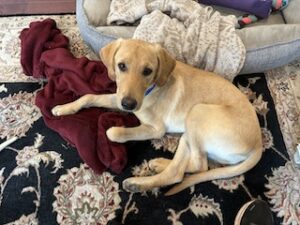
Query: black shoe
{"points": [[256, 212]]}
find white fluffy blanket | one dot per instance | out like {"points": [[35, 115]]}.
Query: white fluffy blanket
{"points": [[190, 32]]}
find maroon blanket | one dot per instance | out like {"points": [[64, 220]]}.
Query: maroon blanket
{"points": [[44, 53]]}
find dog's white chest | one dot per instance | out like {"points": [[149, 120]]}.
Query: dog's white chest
{"points": [[174, 124]]}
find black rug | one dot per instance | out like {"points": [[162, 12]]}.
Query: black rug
{"points": [[44, 181]]}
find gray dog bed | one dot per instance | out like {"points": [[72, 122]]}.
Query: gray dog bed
{"points": [[269, 43]]}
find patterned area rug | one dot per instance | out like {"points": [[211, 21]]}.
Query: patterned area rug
{"points": [[284, 84], [44, 181]]}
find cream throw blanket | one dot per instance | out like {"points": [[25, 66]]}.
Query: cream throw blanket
{"points": [[190, 32]]}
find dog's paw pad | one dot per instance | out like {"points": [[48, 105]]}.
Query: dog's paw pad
{"points": [[131, 187]]}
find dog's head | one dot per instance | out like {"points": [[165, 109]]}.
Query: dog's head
{"points": [[135, 65]]}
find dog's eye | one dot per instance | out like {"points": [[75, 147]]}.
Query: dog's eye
{"points": [[147, 71], [122, 67]]}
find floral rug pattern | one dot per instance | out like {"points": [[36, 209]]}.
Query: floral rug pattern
{"points": [[44, 181], [284, 84]]}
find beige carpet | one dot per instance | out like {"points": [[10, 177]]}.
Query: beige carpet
{"points": [[10, 28]]}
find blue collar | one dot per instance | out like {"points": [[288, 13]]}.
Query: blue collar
{"points": [[150, 89]]}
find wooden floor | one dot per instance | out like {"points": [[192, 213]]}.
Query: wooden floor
{"points": [[30, 7]]}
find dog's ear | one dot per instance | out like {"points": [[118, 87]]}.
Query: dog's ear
{"points": [[166, 64], [107, 55]]}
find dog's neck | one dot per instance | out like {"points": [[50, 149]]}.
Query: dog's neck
{"points": [[150, 89], [154, 93]]}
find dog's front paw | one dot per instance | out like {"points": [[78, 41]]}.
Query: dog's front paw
{"points": [[115, 134], [62, 110]]}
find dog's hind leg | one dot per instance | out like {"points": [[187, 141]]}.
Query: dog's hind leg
{"points": [[173, 173], [198, 159], [197, 163], [159, 164]]}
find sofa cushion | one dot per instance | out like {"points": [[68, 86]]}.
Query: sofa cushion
{"points": [[270, 46], [96, 11], [291, 13], [117, 31]]}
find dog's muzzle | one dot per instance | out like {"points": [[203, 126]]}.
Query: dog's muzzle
{"points": [[129, 103]]}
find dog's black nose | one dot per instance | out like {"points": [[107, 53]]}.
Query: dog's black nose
{"points": [[129, 103]]}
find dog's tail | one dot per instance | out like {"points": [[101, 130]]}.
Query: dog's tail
{"points": [[219, 173]]}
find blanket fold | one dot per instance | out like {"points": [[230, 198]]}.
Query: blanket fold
{"points": [[192, 33], [44, 53]]}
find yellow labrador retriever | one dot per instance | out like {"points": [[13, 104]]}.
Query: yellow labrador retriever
{"points": [[216, 119]]}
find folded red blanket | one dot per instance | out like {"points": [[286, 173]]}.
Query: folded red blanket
{"points": [[44, 53]]}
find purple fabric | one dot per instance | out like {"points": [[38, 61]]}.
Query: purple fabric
{"points": [[260, 8]]}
